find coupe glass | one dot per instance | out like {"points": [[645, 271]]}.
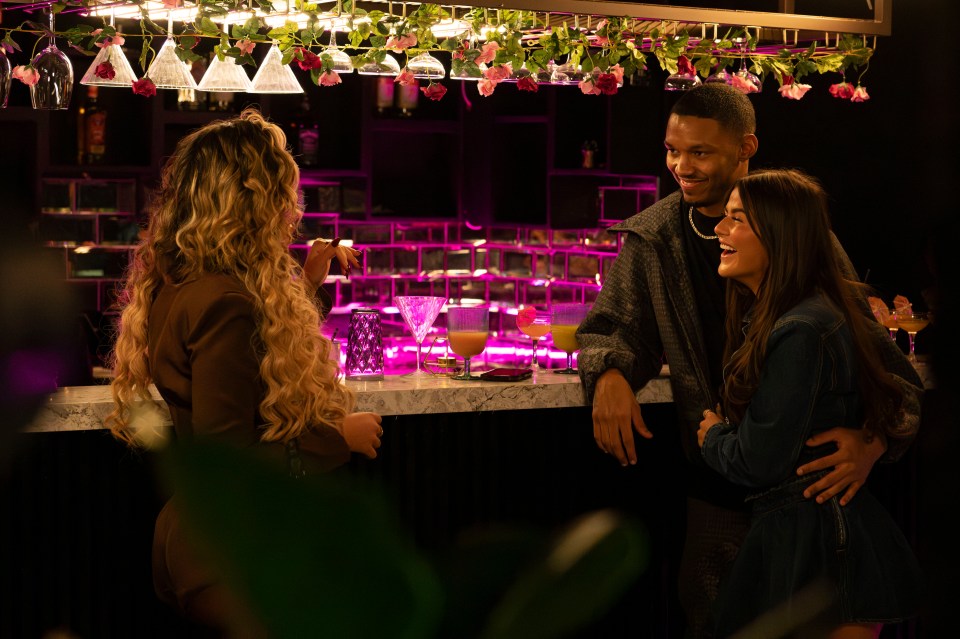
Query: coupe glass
{"points": [[55, 86], [427, 67], [467, 329], [534, 323], [892, 325], [565, 322], [419, 312], [339, 60], [389, 66], [912, 323]]}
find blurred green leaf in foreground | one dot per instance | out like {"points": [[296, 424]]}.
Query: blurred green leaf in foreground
{"points": [[324, 557]]}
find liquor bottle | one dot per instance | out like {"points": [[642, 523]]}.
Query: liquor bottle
{"points": [[82, 131], [193, 99], [407, 97], [385, 91], [306, 135], [95, 128]]}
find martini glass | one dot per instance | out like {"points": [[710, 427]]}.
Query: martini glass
{"points": [[912, 323], [534, 324], [419, 312], [467, 330], [566, 321]]}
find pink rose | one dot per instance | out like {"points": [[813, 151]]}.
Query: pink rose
{"points": [[487, 53], [499, 73], [434, 91], [842, 90], [527, 84], [309, 60], [486, 86], [145, 87], [617, 72], [793, 90], [588, 87], [246, 46], [400, 43], [600, 40], [26, 74], [860, 94], [742, 84], [172, 4], [105, 71], [405, 78], [606, 83], [329, 79], [107, 40]]}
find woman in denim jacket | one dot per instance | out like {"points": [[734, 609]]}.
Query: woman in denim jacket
{"points": [[798, 362]]}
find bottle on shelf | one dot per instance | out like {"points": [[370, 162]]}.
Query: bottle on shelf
{"points": [[193, 99], [407, 98], [306, 135], [94, 128], [82, 131], [385, 91]]}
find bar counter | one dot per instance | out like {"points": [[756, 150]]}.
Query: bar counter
{"points": [[85, 407]]}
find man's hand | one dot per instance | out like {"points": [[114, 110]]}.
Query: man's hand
{"points": [[851, 463], [616, 414]]}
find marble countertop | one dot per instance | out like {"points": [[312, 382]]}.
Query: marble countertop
{"points": [[85, 407]]}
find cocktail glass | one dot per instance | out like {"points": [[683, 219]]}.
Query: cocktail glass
{"points": [[419, 312], [467, 330], [534, 323], [891, 323], [912, 323], [566, 320]]}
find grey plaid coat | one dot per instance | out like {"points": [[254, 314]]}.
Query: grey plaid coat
{"points": [[647, 309]]}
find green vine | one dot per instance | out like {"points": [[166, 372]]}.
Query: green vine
{"points": [[524, 39]]}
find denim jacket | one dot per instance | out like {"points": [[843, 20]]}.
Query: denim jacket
{"points": [[808, 384]]}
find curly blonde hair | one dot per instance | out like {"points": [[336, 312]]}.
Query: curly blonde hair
{"points": [[228, 204]]}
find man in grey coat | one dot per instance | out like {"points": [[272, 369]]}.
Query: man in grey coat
{"points": [[663, 299]]}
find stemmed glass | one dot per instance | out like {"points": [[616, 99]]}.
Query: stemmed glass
{"points": [[534, 324], [891, 323], [912, 323], [55, 86], [566, 320], [467, 329], [419, 312]]}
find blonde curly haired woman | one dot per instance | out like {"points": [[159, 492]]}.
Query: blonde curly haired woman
{"points": [[224, 321]]}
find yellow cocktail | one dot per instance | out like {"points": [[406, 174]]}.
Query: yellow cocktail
{"points": [[565, 337], [566, 320]]}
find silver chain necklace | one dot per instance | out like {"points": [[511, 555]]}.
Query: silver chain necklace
{"points": [[696, 230]]}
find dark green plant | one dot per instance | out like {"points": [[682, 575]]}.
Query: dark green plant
{"points": [[322, 556]]}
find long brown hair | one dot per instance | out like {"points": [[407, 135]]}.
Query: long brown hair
{"points": [[788, 211], [228, 203]]}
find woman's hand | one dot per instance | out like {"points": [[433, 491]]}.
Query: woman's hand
{"points": [[363, 432], [710, 419], [317, 265]]}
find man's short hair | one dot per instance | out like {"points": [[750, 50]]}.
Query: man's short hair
{"points": [[720, 102]]}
